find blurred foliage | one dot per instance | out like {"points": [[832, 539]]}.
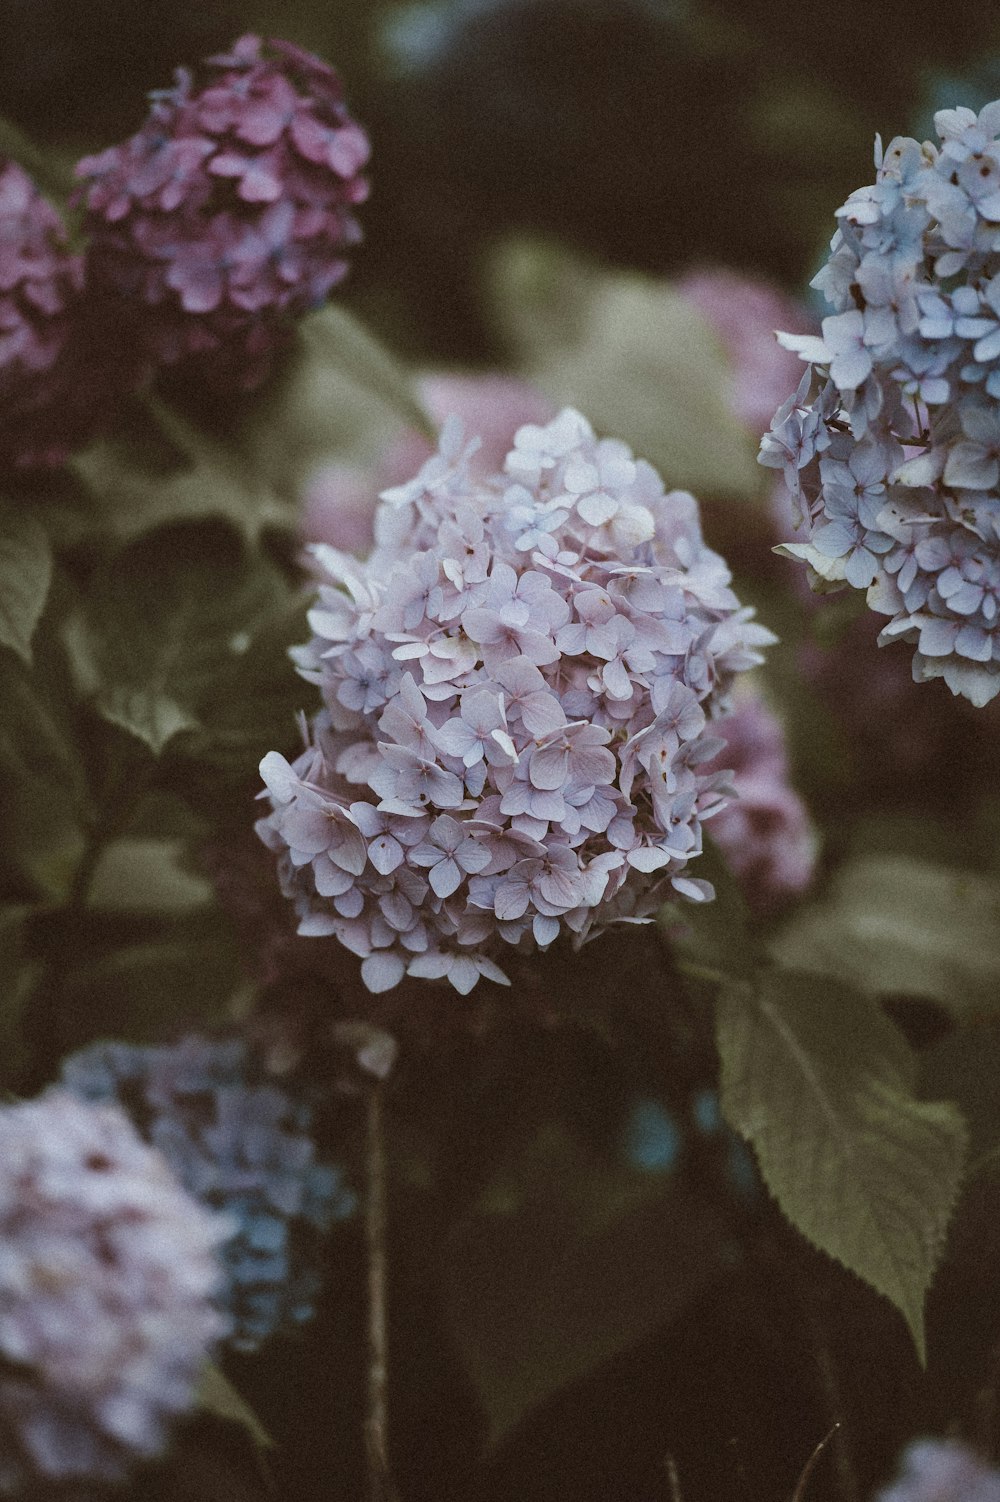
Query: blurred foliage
{"points": [[561, 1318]]}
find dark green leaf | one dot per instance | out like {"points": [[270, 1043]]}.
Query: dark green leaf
{"points": [[819, 1080], [44, 800], [166, 619], [566, 1262], [25, 576]]}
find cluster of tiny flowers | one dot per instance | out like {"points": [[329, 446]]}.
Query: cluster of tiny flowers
{"points": [[108, 1275], [230, 211], [517, 691], [237, 1145], [891, 444], [942, 1471], [765, 835], [40, 284]]}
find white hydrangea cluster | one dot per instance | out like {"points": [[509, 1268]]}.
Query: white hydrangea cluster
{"points": [[517, 691], [892, 442], [108, 1273]]}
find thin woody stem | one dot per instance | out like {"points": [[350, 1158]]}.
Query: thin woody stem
{"points": [[380, 1483], [810, 1465]]}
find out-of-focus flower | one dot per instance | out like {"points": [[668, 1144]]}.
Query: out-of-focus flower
{"points": [[108, 1274], [52, 379], [890, 444], [340, 499], [231, 211], [517, 691], [936, 1470], [746, 314], [765, 834], [240, 1145]]}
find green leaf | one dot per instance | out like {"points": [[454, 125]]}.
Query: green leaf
{"points": [[146, 875], [138, 976], [344, 344], [635, 356], [18, 974], [218, 1396], [25, 576], [892, 924], [165, 619], [819, 1080], [157, 467], [44, 799], [566, 1261]]}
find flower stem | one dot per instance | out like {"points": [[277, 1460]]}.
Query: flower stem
{"points": [[380, 1484]]}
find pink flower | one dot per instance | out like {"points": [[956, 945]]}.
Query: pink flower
{"points": [[230, 212], [548, 735], [765, 835], [57, 379]]}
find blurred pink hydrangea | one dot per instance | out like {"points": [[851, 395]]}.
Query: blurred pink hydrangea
{"points": [[745, 313], [230, 212], [43, 414], [518, 687], [340, 499], [766, 835], [107, 1286]]}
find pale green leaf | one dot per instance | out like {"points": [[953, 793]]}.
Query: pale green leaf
{"points": [[25, 576], [819, 1080], [153, 716], [635, 357], [218, 1396], [146, 875], [892, 924]]}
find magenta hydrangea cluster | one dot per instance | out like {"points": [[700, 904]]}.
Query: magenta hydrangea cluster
{"points": [[40, 284], [108, 1273], [230, 211], [518, 689], [891, 445]]}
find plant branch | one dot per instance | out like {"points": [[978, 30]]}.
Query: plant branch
{"points": [[380, 1484]]}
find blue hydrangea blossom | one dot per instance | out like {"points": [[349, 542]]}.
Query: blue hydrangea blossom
{"points": [[239, 1145], [891, 444], [518, 689], [936, 1470]]}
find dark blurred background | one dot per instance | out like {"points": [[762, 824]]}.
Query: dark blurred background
{"points": [[651, 134]]}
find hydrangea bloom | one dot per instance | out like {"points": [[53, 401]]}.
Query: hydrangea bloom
{"points": [[518, 687], [107, 1278], [340, 499], [891, 442], [231, 210], [40, 285], [241, 1146], [936, 1470], [765, 835]]}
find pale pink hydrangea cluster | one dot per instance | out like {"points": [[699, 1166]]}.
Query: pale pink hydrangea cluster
{"points": [[109, 1276], [518, 687]]}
